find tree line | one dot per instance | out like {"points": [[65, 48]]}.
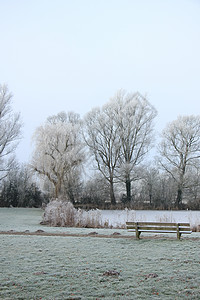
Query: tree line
{"points": [[103, 159]]}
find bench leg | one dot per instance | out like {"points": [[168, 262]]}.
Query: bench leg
{"points": [[178, 235], [137, 234], [178, 232]]}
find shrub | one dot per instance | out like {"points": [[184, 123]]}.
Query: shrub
{"points": [[62, 213]]}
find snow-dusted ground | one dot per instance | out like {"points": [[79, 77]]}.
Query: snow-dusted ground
{"points": [[54, 267]]}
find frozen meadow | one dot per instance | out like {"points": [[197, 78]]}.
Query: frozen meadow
{"points": [[77, 267]]}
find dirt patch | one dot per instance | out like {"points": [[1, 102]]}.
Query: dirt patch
{"points": [[113, 236]]}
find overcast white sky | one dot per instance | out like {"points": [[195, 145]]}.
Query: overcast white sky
{"points": [[64, 55]]}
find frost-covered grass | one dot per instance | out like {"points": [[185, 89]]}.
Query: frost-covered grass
{"points": [[36, 267], [20, 219], [54, 267]]}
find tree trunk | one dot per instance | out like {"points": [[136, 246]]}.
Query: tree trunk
{"points": [[57, 188], [70, 193], [56, 191], [128, 189], [112, 195], [179, 198], [150, 199]]}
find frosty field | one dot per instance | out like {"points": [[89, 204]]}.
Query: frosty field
{"points": [[58, 267]]}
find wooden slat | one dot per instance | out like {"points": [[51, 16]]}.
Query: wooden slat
{"points": [[130, 223], [157, 223], [184, 229], [157, 228], [158, 231], [151, 223], [161, 231], [152, 229]]}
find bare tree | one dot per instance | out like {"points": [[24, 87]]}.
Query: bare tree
{"points": [[158, 188], [19, 189], [95, 191], [134, 119], [58, 152], [192, 190], [101, 136], [10, 131], [150, 183], [119, 135], [180, 149]]}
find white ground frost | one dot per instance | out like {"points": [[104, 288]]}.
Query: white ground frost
{"points": [[54, 267]]}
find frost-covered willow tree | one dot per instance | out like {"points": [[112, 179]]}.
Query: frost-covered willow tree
{"points": [[101, 136], [134, 118], [58, 153], [180, 150], [10, 131]]}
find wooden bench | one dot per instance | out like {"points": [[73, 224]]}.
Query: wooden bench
{"points": [[157, 227]]}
